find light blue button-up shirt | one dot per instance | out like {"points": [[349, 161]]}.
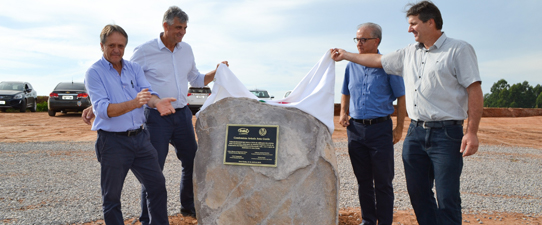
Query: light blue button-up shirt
{"points": [[371, 91], [105, 86], [169, 72]]}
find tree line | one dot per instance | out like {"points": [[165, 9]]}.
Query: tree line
{"points": [[520, 95]]}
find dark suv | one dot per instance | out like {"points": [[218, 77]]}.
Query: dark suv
{"points": [[17, 94], [68, 97]]}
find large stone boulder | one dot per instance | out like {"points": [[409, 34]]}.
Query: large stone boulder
{"points": [[301, 189]]}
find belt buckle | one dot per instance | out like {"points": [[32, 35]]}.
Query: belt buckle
{"points": [[423, 125], [129, 133], [371, 122]]}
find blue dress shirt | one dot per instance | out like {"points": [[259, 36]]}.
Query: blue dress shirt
{"points": [[371, 91], [169, 72], [105, 86]]}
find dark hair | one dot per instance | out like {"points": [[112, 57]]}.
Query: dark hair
{"points": [[174, 12], [109, 29], [425, 11]]}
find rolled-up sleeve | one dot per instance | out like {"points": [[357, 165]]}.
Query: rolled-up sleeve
{"points": [[96, 89]]}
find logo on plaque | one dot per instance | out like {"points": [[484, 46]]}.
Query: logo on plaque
{"points": [[243, 131], [263, 131]]}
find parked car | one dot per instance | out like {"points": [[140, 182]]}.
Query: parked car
{"points": [[262, 94], [196, 97], [17, 94], [68, 97]]}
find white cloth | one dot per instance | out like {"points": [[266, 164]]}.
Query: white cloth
{"points": [[313, 95]]}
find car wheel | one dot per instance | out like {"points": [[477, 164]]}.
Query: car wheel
{"points": [[23, 106], [51, 112], [34, 106]]}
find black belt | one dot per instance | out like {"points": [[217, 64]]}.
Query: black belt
{"points": [[373, 121], [129, 132], [436, 124]]}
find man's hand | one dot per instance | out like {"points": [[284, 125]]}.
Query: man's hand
{"points": [[87, 115], [469, 144], [142, 97], [223, 62], [164, 106], [397, 135], [338, 54], [343, 120]]}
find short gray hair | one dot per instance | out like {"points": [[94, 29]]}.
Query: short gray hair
{"points": [[110, 29], [376, 30], [174, 12]]}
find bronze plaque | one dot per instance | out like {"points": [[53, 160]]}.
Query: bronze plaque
{"points": [[251, 145]]}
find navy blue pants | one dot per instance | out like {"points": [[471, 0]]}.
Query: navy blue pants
{"points": [[117, 154], [371, 152], [432, 155], [178, 130]]}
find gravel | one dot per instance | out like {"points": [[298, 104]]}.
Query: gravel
{"points": [[59, 182]]}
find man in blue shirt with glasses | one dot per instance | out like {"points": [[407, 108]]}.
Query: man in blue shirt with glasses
{"points": [[367, 97]]}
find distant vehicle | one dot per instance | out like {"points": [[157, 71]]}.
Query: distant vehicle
{"points": [[196, 97], [262, 94], [287, 94], [68, 97], [18, 95]]}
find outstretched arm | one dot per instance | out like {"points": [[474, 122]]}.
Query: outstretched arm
{"points": [[368, 60]]}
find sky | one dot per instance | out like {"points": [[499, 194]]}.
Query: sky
{"points": [[269, 44]]}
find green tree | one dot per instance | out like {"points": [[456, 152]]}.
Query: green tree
{"points": [[539, 101], [520, 95]]}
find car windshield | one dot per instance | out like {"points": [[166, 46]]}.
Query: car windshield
{"points": [[260, 94], [70, 86], [12, 86]]}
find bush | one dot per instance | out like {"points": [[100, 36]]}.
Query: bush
{"points": [[41, 107]]}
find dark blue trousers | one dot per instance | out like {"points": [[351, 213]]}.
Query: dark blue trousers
{"points": [[117, 154], [178, 130], [431, 155], [371, 152]]}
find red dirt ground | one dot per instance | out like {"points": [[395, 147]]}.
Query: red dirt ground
{"points": [[508, 131]]}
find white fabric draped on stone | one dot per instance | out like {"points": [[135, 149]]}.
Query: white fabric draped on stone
{"points": [[313, 95]]}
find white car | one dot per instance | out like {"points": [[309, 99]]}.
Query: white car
{"points": [[196, 97], [262, 94]]}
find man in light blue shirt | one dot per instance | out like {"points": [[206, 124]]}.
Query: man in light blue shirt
{"points": [[169, 66], [367, 98], [118, 90]]}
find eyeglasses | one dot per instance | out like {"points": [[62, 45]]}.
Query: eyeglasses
{"points": [[363, 40]]}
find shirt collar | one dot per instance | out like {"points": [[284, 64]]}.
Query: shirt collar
{"points": [[437, 44], [161, 44]]}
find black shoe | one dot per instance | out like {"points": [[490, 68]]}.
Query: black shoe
{"points": [[188, 212]]}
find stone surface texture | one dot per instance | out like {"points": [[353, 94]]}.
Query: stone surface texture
{"points": [[302, 189]]}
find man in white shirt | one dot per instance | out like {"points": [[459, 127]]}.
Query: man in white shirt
{"points": [[443, 88]]}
